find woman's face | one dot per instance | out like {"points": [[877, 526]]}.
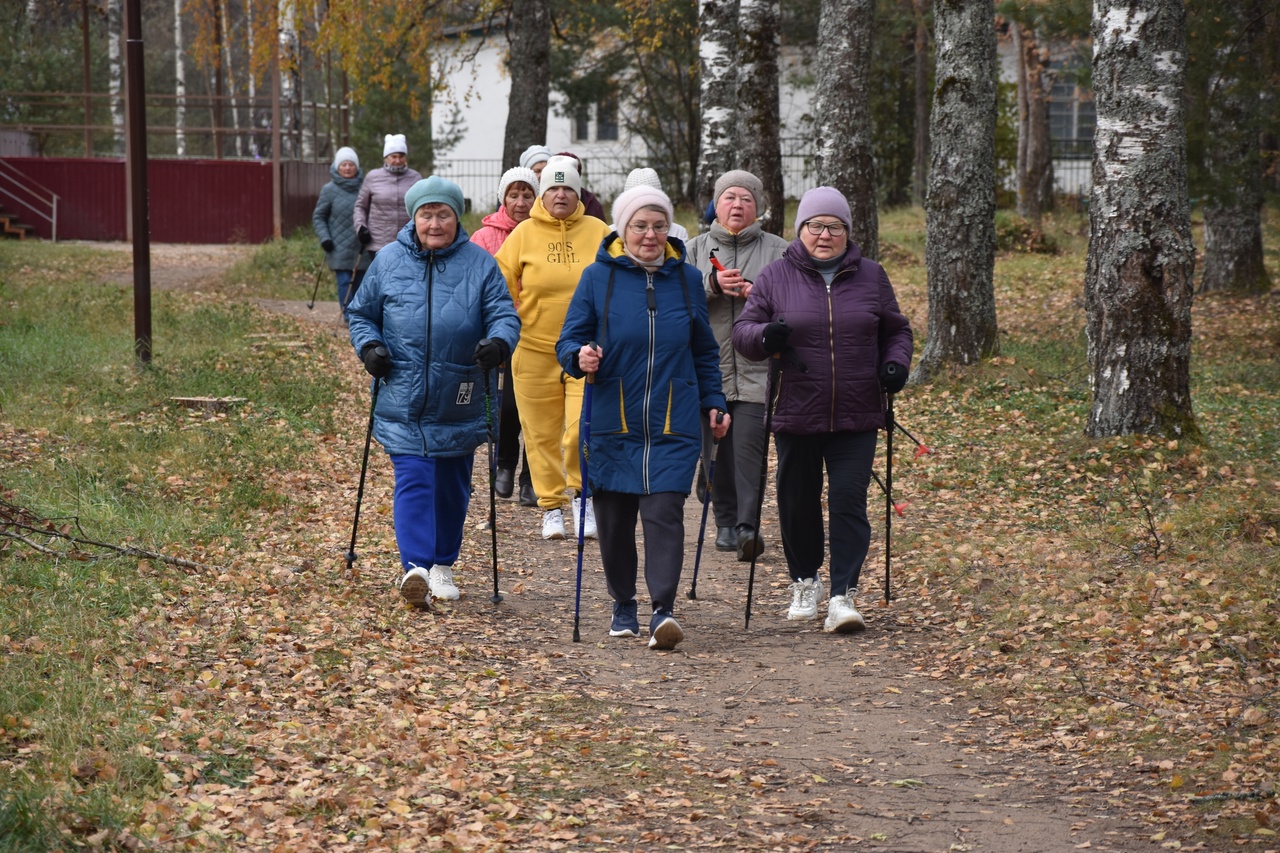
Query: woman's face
{"points": [[646, 235], [436, 225], [824, 246], [736, 208], [347, 169], [560, 201], [538, 167], [394, 160], [519, 201]]}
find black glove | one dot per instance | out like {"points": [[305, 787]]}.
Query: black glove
{"points": [[365, 237], [491, 352], [715, 283], [327, 245], [377, 361], [775, 336], [893, 377]]}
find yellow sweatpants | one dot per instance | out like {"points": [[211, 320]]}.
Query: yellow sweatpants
{"points": [[550, 407]]}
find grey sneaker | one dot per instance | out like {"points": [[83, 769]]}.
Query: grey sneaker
{"points": [[804, 599], [842, 616]]}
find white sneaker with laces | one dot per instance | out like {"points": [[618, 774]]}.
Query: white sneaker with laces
{"points": [[589, 524], [440, 580], [842, 616], [414, 585], [553, 524], [804, 599]]}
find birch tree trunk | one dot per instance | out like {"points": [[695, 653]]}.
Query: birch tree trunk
{"points": [[288, 35], [845, 151], [961, 204], [718, 58], [759, 115], [115, 70], [529, 65], [1138, 278], [1034, 169], [229, 64], [179, 83], [1233, 209]]}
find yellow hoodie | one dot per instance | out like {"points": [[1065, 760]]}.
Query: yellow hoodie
{"points": [[542, 260]]}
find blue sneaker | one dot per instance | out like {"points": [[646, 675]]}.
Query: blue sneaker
{"points": [[625, 623], [664, 631]]}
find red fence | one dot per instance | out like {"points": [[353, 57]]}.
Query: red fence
{"points": [[191, 201]]}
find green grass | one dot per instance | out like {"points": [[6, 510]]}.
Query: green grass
{"points": [[91, 439]]}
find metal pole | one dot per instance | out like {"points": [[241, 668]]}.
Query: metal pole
{"points": [[137, 157]]}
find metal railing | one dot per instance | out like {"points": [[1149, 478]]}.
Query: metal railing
{"points": [[13, 182]]}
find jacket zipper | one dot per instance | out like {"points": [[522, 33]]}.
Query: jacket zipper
{"points": [[831, 345], [426, 358], [651, 297]]}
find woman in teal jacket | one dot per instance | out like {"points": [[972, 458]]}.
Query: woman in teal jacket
{"points": [[638, 322], [432, 317]]}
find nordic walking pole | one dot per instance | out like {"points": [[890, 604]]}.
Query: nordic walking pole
{"points": [[364, 466], [351, 285], [921, 447], [319, 274], [769, 392], [889, 506], [706, 502], [584, 442], [897, 507], [493, 512]]}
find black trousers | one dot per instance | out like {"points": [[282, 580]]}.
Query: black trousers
{"points": [[847, 458], [662, 516], [735, 492], [509, 453]]}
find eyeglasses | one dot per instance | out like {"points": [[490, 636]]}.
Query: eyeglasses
{"points": [[636, 228], [835, 229]]}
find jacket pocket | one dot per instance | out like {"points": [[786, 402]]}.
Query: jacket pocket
{"points": [[456, 394], [608, 414], [683, 416]]}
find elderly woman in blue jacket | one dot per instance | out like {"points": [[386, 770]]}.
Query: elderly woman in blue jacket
{"points": [[432, 317], [638, 324]]}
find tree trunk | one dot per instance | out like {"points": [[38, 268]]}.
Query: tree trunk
{"points": [[289, 131], [718, 61], [1233, 209], [920, 171], [1138, 278], [529, 65], [1035, 160], [115, 70], [845, 147], [961, 205], [179, 83], [760, 114]]}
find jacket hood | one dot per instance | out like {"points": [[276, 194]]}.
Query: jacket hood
{"points": [[747, 235], [611, 251], [349, 184], [409, 239], [500, 219]]}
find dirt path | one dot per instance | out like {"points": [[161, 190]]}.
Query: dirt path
{"points": [[843, 742]]}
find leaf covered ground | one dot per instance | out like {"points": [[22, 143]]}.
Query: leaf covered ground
{"points": [[1080, 653]]}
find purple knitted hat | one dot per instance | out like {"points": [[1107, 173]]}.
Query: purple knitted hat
{"points": [[823, 201]]}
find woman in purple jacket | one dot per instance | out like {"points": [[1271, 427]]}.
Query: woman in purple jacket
{"points": [[831, 318]]}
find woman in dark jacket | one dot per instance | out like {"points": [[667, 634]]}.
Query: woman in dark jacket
{"points": [[638, 322], [831, 318], [332, 222]]}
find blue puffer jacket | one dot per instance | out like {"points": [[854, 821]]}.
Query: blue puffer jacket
{"points": [[431, 308], [659, 369]]}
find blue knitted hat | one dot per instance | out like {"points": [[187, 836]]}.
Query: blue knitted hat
{"points": [[435, 190]]}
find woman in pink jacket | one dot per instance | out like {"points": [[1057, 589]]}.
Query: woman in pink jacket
{"points": [[517, 191]]}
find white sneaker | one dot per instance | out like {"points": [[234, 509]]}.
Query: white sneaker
{"points": [[414, 586], [842, 616], [440, 580], [589, 523], [553, 524], [804, 599]]}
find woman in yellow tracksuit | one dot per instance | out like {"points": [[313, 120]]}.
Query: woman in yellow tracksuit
{"points": [[542, 260]]}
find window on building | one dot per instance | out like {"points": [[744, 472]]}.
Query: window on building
{"points": [[607, 119], [1072, 117], [582, 123]]}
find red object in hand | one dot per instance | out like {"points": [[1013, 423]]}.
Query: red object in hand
{"points": [[715, 262]]}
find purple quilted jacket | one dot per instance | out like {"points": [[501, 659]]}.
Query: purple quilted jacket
{"points": [[842, 333]]}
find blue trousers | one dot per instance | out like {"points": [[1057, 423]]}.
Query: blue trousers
{"points": [[430, 507], [344, 281]]}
